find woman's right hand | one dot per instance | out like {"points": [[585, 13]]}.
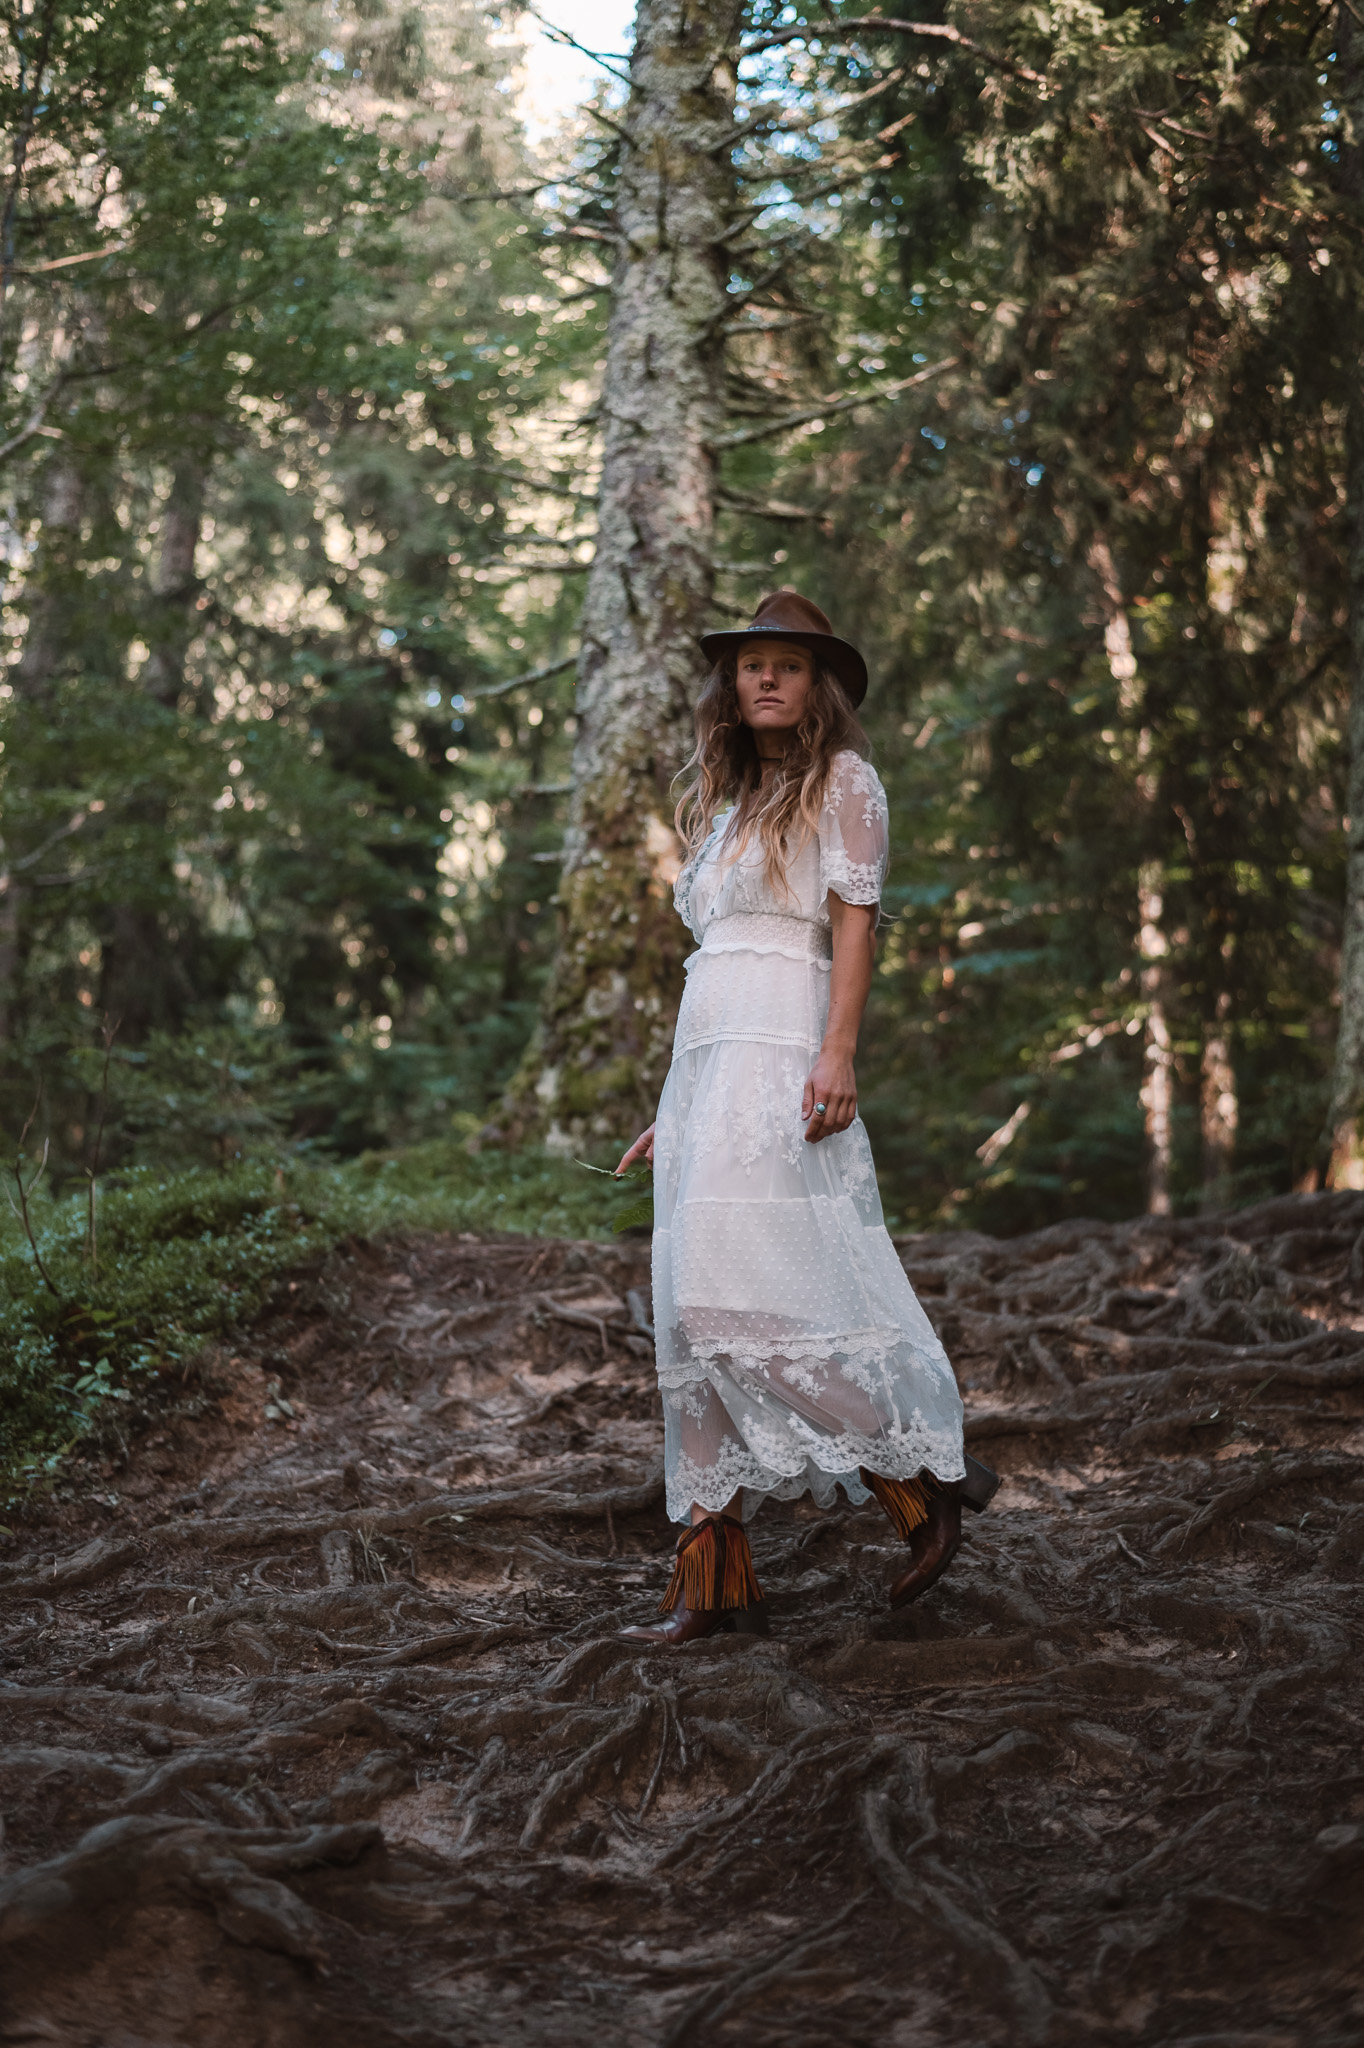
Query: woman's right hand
{"points": [[643, 1148]]}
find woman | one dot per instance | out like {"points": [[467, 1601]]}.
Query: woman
{"points": [[792, 1353]]}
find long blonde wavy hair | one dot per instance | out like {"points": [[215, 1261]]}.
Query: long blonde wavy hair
{"points": [[727, 769]]}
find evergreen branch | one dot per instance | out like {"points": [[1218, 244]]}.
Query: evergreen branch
{"points": [[940, 31], [823, 412]]}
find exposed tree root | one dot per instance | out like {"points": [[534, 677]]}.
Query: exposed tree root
{"points": [[318, 1729]]}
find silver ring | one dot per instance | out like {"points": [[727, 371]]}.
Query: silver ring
{"points": [[820, 1108]]}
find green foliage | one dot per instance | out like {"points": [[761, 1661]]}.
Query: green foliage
{"points": [[261, 568], [185, 1257], [1097, 565], [273, 808]]}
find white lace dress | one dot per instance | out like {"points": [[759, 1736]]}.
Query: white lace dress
{"points": [[791, 1347]]}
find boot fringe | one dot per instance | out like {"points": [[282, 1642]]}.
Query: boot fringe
{"points": [[904, 1500], [714, 1568]]}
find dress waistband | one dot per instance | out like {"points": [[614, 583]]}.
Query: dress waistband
{"points": [[799, 938]]}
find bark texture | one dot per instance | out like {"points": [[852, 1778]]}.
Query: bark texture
{"points": [[603, 1048]]}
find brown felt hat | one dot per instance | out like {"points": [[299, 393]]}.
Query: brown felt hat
{"points": [[786, 615]]}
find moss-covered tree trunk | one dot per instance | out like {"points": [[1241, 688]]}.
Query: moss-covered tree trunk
{"points": [[606, 1030]]}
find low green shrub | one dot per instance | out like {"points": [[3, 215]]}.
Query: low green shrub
{"points": [[185, 1257]]}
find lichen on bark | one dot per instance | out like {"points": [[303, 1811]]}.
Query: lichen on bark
{"points": [[602, 1049]]}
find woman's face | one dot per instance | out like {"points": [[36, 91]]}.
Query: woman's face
{"points": [[774, 679]]}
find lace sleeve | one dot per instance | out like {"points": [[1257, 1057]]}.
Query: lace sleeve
{"points": [[854, 832]]}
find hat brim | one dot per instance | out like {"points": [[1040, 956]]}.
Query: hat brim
{"points": [[839, 655]]}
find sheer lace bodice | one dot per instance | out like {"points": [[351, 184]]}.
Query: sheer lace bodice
{"points": [[848, 855], [791, 1347]]}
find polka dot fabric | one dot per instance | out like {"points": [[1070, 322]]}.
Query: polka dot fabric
{"points": [[791, 1347]]}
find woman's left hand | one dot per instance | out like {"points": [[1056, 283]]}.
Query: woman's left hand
{"points": [[833, 1084]]}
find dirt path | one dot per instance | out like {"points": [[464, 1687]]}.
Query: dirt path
{"points": [[313, 1727]]}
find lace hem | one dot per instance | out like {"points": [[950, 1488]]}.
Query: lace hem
{"points": [[862, 1350], [737, 1469]]}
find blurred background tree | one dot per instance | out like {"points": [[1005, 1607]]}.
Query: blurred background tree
{"points": [[1031, 360]]}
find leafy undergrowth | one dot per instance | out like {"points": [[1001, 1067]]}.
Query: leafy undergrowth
{"points": [[181, 1258], [317, 1727]]}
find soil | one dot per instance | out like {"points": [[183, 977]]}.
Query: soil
{"points": [[315, 1727]]}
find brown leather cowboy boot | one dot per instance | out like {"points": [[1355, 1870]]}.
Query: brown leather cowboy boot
{"points": [[713, 1587], [932, 1545], [927, 1516]]}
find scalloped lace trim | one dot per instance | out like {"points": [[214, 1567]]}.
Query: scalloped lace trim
{"points": [[854, 880], [737, 1468]]}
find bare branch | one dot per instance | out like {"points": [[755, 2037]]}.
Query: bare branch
{"points": [[29, 860], [26, 1193], [734, 501], [65, 262], [532, 675], [35, 420], [535, 483], [561, 35], [576, 234], [769, 276], [823, 412], [542, 568]]}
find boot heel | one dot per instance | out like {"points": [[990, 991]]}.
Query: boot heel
{"points": [[980, 1485], [748, 1621]]}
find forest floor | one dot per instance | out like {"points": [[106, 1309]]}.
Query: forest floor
{"points": [[315, 1728]]}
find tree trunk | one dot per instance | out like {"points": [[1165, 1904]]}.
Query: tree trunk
{"points": [[1219, 1107], [174, 586], [1158, 1060], [1346, 1169], [1158, 1083], [145, 986], [49, 600], [599, 1059]]}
